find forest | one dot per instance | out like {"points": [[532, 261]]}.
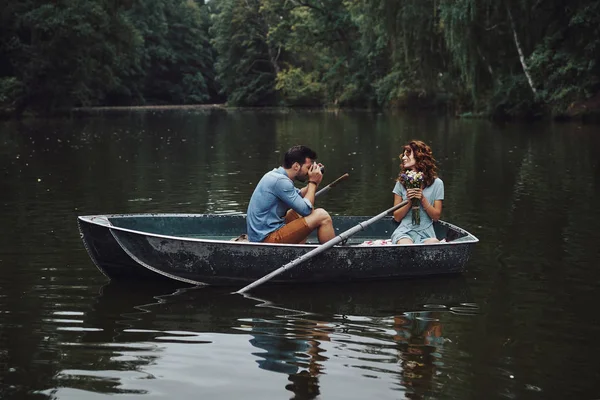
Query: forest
{"points": [[493, 58]]}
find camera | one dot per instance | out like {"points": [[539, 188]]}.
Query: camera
{"points": [[321, 168]]}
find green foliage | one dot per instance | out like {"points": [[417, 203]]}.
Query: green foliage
{"points": [[11, 90], [299, 88], [68, 53], [567, 61], [392, 88], [246, 67], [92, 52], [512, 98], [177, 60], [504, 58]]}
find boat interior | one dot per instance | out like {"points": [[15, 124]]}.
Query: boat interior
{"points": [[230, 227]]}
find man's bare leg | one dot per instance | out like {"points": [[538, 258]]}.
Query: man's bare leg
{"points": [[319, 219]]}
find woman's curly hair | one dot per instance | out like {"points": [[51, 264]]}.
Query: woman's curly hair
{"points": [[424, 161]]}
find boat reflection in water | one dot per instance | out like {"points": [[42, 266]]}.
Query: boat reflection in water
{"points": [[298, 345], [304, 332]]}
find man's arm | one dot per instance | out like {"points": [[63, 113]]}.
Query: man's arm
{"points": [[315, 176], [303, 201], [287, 192], [309, 191]]}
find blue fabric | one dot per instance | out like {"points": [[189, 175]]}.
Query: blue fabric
{"points": [[431, 193], [274, 195], [417, 237]]}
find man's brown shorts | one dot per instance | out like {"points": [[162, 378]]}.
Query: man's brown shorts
{"points": [[295, 230]]}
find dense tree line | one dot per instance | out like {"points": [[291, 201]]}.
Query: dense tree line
{"points": [[67, 53], [502, 57]]}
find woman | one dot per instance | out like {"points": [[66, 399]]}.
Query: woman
{"points": [[417, 157]]}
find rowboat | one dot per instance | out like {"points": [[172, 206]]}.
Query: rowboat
{"points": [[198, 249]]}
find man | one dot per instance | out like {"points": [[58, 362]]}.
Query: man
{"points": [[275, 194]]}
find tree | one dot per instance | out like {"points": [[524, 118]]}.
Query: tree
{"points": [[246, 66], [177, 60], [68, 53]]}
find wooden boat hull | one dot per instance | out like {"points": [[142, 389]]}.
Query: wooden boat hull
{"points": [[184, 247]]}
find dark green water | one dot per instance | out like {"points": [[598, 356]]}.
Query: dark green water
{"points": [[521, 323]]}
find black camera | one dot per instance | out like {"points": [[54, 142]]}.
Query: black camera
{"points": [[321, 168]]}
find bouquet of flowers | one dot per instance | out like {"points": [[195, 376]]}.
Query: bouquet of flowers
{"points": [[413, 180]]}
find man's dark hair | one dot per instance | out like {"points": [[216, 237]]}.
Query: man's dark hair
{"points": [[297, 154]]}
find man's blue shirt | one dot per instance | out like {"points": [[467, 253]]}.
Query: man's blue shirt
{"points": [[273, 196]]}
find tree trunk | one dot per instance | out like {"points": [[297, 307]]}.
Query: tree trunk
{"points": [[273, 58], [520, 51]]}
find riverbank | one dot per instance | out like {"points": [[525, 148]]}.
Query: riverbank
{"points": [[584, 112], [587, 111], [80, 110]]}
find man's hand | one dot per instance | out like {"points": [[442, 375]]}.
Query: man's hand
{"points": [[314, 173]]}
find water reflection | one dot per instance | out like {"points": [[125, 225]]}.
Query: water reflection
{"points": [[139, 332], [525, 190], [120, 307], [420, 339], [293, 349], [294, 343]]}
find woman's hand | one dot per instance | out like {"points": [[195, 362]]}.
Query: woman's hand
{"points": [[414, 193]]}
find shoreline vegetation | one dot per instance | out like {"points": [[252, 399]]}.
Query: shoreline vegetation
{"points": [[503, 60], [580, 113]]}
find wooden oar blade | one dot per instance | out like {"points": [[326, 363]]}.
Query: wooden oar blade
{"points": [[331, 185]]}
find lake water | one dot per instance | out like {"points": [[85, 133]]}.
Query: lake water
{"points": [[520, 323]]}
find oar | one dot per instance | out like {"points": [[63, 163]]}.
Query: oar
{"points": [[270, 304], [325, 246], [332, 184], [324, 190]]}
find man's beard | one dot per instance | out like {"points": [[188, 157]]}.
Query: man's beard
{"points": [[302, 178]]}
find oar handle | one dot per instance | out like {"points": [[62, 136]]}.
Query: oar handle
{"points": [[327, 245], [332, 184], [338, 180], [326, 189]]}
